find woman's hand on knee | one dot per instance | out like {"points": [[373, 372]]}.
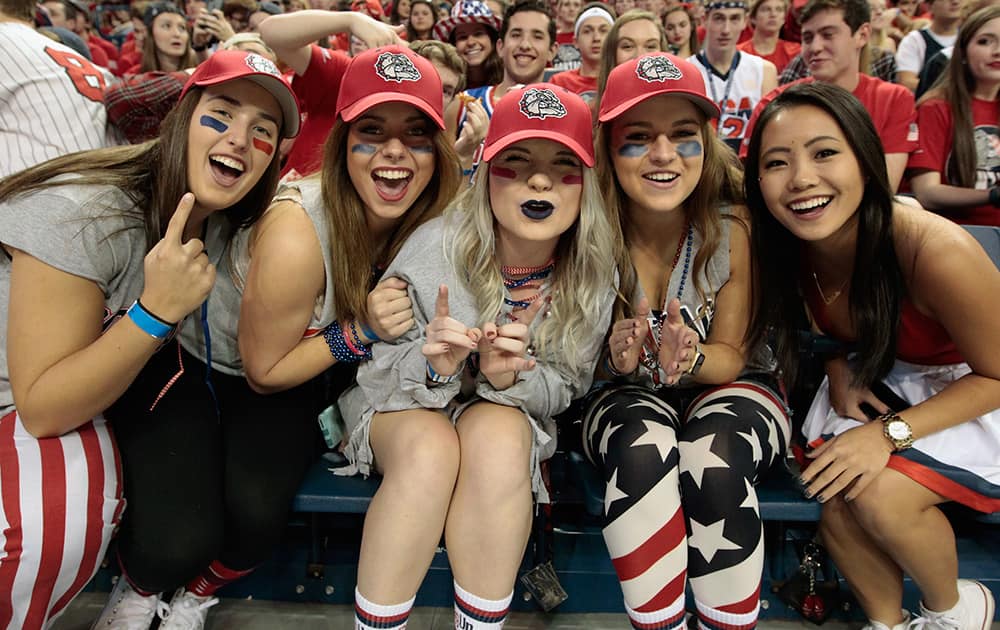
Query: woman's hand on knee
{"points": [[849, 461], [449, 341]]}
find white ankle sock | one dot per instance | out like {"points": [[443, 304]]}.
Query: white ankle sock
{"points": [[476, 613], [372, 616]]}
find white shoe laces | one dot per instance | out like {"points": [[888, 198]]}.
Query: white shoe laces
{"points": [[931, 621], [133, 608], [187, 611]]}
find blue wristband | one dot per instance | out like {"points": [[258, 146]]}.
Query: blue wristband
{"points": [[148, 323], [369, 332], [437, 379]]}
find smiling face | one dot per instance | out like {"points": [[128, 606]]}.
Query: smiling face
{"points": [[526, 48], [390, 159], [591, 37], [810, 178], [636, 38], [982, 55], [830, 49], [535, 191], [658, 153], [170, 34], [232, 138], [473, 43]]}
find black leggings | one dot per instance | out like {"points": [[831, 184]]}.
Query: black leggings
{"points": [[201, 485]]}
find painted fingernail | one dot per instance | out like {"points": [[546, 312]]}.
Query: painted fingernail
{"points": [[821, 498]]}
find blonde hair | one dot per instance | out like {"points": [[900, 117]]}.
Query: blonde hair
{"points": [[583, 274], [721, 183], [240, 39], [609, 51], [351, 251]]}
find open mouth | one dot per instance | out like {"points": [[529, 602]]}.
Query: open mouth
{"points": [[391, 184], [811, 205], [537, 209], [225, 169], [661, 178]]}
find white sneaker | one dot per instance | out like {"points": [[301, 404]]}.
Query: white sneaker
{"points": [[187, 611], [878, 625], [128, 610], [974, 611]]}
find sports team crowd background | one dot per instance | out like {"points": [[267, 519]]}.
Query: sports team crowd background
{"points": [[489, 227]]}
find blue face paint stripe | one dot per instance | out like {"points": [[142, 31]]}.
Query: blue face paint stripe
{"points": [[422, 148], [689, 149], [633, 150], [218, 125], [363, 148]]}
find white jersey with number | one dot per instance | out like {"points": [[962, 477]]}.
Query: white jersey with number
{"points": [[744, 91], [51, 100]]}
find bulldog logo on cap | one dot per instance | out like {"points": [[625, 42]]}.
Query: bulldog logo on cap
{"points": [[658, 69], [541, 103], [260, 64], [396, 67]]}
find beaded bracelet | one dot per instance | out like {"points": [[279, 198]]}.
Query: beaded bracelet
{"points": [[339, 346], [148, 322]]}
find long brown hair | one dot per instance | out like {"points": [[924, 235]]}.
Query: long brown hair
{"points": [[609, 51], [721, 183], [353, 255], [153, 175], [151, 60], [955, 87]]}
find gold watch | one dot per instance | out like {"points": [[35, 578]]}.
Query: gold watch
{"points": [[897, 431]]}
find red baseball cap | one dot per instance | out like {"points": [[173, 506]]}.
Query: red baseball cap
{"points": [[372, 7], [228, 65], [541, 110], [651, 75], [390, 74]]}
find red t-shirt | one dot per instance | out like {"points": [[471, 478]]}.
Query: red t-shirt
{"points": [[109, 49], [890, 106], [936, 133], [574, 82], [565, 38], [317, 90], [98, 56], [784, 52]]}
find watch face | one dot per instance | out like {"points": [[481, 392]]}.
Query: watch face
{"points": [[898, 430]]}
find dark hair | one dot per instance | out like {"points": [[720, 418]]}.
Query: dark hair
{"points": [[856, 12], [955, 87], [153, 175], [490, 72], [394, 17], [411, 33], [876, 282], [525, 6]]}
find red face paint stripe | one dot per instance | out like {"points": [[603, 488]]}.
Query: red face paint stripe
{"points": [[266, 147], [502, 171], [573, 180]]}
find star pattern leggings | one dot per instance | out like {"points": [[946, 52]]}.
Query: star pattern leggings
{"points": [[680, 467]]}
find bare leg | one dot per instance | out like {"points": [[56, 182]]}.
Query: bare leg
{"points": [[490, 516], [875, 579], [417, 453], [901, 517]]}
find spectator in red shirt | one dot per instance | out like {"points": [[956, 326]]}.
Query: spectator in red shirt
{"points": [[592, 27], [767, 17], [678, 23]]}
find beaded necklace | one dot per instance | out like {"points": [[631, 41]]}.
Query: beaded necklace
{"points": [[685, 243], [525, 278]]}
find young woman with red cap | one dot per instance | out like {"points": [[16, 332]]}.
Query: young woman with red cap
{"points": [[691, 411], [92, 287], [511, 291]]}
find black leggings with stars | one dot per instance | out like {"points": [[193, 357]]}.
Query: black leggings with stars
{"points": [[680, 466]]}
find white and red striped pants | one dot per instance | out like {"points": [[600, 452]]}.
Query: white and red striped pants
{"points": [[60, 500]]}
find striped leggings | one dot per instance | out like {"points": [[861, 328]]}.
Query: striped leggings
{"points": [[680, 467], [61, 501]]}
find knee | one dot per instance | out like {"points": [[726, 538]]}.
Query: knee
{"points": [[495, 443], [877, 509], [423, 453], [834, 518]]}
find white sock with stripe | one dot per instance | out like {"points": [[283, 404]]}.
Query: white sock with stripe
{"points": [[477, 613], [371, 616]]}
